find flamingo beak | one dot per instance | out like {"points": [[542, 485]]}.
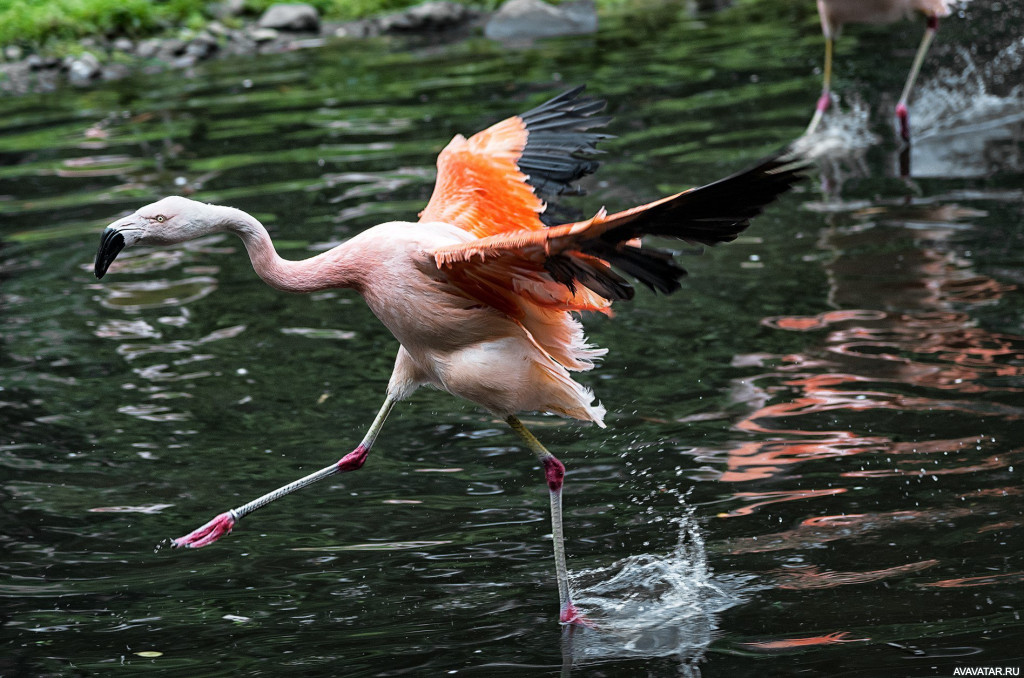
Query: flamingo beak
{"points": [[111, 243]]}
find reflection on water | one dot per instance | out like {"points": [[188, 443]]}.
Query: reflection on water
{"points": [[926, 358], [838, 394]]}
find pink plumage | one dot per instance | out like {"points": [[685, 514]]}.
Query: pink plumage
{"points": [[482, 292]]}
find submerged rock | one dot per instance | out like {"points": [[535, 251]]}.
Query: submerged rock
{"points": [[291, 17], [531, 19]]}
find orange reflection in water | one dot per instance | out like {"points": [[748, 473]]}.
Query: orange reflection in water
{"points": [[969, 582], [898, 361], [811, 577], [870, 359], [767, 498], [818, 530], [762, 459], [796, 643]]}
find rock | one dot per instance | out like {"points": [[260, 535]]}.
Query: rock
{"points": [[115, 71], [123, 45], [171, 48], [217, 28], [531, 19], [227, 8], [263, 34], [184, 61], [36, 62], [429, 16], [358, 29], [148, 49], [202, 47], [240, 43], [83, 69], [12, 53], [291, 17], [16, 78]]}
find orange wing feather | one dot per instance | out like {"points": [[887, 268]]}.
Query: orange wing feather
{"points": [[503, 178], [580, 255], [495, 185], [479, 186]]}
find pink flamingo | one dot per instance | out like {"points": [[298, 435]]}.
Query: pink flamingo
{"points": [[480, 291], [835, 13]]}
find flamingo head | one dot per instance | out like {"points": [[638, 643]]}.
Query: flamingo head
{"points": [[165, 222]]}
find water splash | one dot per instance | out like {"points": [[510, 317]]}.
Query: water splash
{"points": [[968, 121], [652, 605], [841, 133], [970, 95]]}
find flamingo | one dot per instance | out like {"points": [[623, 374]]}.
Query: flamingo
{"points": [[481, 291], [835, 13]]}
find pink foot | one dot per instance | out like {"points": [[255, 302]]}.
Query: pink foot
{"points": [[207, 534], [904, 117], [570, 615], [823, 102]]}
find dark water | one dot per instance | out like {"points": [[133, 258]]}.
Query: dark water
{"points": [[814, 452]]}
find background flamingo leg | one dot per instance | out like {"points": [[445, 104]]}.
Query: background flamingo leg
{"points": [[902, 114], [826, 88]]}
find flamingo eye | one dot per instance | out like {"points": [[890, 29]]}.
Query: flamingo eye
{"points": [[161, 218]]}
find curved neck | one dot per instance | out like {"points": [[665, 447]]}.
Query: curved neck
{"points": [[334, 268]]}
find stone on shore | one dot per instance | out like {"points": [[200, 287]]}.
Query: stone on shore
{"points": [[83, 69], [291, 17], [227, 9], [526, 20], [148, 49], [202, 46], [437, 15]]}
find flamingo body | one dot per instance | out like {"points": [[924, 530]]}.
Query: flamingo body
{"points": [[482, 293], [836, 13]]}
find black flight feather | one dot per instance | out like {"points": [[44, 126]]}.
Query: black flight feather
{"points": [[711, 214], [559, 150], [559, 144]]}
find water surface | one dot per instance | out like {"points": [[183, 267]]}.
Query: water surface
{"points": [[813, 455]]}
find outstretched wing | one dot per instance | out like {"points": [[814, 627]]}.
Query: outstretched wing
{"points": [[582, 254], [504, 178]]}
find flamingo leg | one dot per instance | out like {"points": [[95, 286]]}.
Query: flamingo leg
{"points": [[826, 88], [901, 108], [353, 461], [554, 472]]}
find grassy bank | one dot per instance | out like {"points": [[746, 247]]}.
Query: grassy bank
{"points": [[36, 22]]}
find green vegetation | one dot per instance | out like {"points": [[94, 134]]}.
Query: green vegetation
{"points": [[356, 9], [35, 22], [38, 21]]}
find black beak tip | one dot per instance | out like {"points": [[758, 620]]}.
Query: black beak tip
{"points": [[111, 244]]}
